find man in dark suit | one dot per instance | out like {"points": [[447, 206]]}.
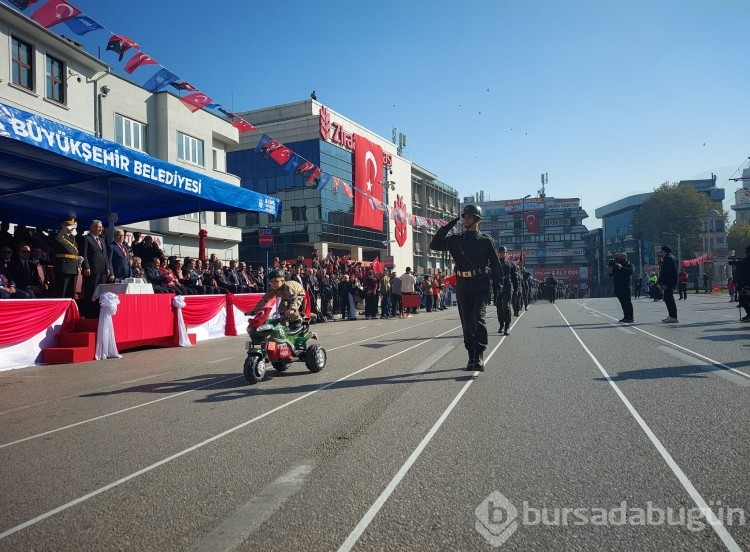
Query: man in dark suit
{"points": [[119, 256], [25, 273], [96, 267], [65, 259], [156, 278]]}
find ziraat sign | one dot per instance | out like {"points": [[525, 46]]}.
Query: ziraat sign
{"points": [[335, 133]]}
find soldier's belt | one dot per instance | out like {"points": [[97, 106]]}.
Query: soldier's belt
{"points": [[469, 273], [65, 256]]}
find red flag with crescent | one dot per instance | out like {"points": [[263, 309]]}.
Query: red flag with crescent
{"points": [[54, 12], [137, 60], [532, 222], [195, 101], [368, 177]]}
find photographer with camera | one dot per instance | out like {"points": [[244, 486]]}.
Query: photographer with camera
{"points": [[742, 283], [621, 272]]}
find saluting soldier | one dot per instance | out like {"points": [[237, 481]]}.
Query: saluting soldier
{"points": [[65, 260], [508, 289], [472, 252]]}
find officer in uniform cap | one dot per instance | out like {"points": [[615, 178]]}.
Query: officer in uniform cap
{"points": [[291, 294], [472, 251], [508, 289], [65, 260]]}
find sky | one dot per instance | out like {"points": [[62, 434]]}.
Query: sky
{"points": [[608, 99]]}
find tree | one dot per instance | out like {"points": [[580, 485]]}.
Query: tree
{"points": [[674, 209], [738, 237]]}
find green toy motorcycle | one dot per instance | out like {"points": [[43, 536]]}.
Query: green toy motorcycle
{"points": [[271, 341]]}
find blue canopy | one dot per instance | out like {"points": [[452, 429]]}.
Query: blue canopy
{"points": [[49, 171]]}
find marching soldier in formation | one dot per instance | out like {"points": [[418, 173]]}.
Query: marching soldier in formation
{"points": [[507, 292]]}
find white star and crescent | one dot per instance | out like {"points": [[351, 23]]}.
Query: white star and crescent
{"points": [[62, 14], [370, 158]]}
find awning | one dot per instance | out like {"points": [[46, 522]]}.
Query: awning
{"points": [[49, 171]]}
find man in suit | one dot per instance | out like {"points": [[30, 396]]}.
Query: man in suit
{"points": [[119, 256], [96, 267], [26, 272]]}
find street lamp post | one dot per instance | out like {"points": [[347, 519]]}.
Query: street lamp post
{"points": [[523, 226]]}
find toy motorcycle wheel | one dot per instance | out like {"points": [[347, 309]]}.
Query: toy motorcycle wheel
{"points": [[315, 358], [280, 366], [255, 369]]}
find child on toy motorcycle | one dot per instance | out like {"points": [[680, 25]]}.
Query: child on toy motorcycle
{"points": [[291, 293]]}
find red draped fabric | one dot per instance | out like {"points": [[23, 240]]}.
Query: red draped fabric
{"points": [[230, 328], [247, 301], [201, 308], [244, 302], [21, 319]]}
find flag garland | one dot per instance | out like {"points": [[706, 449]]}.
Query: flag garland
{"points": [[47, 14]]}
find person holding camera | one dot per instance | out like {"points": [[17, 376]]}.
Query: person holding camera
{"points": [[621, 272], [742, 284]]}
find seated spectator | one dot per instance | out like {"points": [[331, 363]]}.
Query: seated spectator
{"points": [[137, 268], [245, 273], [157, 278], [193, 279], [23, 271], [180, 279], [8, 288]]}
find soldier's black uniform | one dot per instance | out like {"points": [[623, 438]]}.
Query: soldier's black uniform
{"points": [[471, 252], [508, 289]]}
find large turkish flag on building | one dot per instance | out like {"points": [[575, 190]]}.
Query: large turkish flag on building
{"points": [[368, 183]]}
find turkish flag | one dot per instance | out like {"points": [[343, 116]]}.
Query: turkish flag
{"points": [[368, 177], [532, 222], [377, 266], [243, 126], [54, 12], [137, 60], [195, 101]]}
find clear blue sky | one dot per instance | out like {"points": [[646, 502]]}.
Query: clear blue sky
{"points": [[609, 98]]}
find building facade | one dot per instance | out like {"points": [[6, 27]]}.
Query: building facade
{"points": [[54, 77], [321, 218], [545, 234], [741, 205]]}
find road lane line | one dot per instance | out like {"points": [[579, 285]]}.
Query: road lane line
{"points": [[235, 529], [689, 351], [116, 412], [216, 437], [353, 537], [707, 368], [89, 420], [715, 522]]}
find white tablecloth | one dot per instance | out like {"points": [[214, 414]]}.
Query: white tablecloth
{"points": [[122, 288]]}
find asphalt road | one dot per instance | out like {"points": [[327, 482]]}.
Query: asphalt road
{"points": [[583, 434]]}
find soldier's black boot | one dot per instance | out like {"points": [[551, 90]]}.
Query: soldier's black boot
{"points": [[479, 362], [471, 365]]}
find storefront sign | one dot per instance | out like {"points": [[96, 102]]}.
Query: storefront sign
{"points": [[335, 133]]}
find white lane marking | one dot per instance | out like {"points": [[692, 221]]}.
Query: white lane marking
{"points": [[235, 529], [116, 412], [353, 537], [689, 351], [220, 360], [432, 359], [692, 361], [216, 437], [170, 396], [715, 522], [376, 337]]}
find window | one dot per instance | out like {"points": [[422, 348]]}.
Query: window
{"points": [[22, 64], [55, 81], [189, 149], [130, 133]]}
